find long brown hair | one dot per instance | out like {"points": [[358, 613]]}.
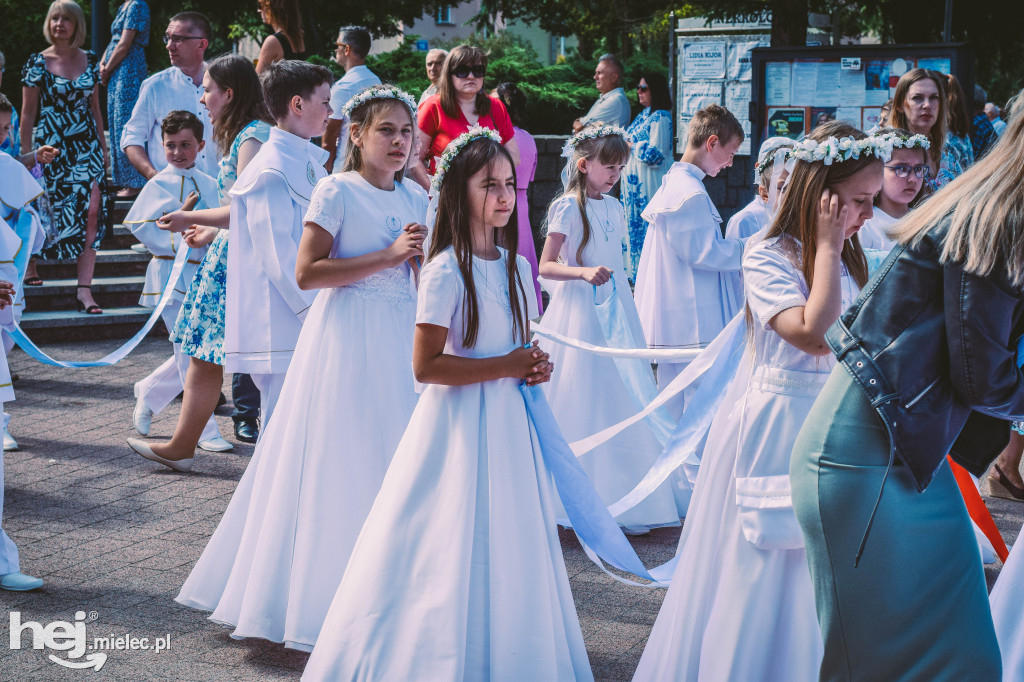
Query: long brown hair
{"points": [[235, 72], [364, 117], [602, 150], [452, 229], [959, 118], [463, 55], [285, 13], [797, 215], [898, 115], [985, 206]]}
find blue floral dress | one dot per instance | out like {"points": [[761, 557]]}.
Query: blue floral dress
{"points": [[650, 136], [66, 122], [200, 324], [957, 156], [123, 86]]}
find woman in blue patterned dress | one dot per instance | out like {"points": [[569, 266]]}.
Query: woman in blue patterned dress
{"points": [[61, 86], [122, 71], [650, 139], [241, 124]]}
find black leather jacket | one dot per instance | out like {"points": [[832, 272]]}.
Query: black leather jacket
{"points": [[934, 349]]}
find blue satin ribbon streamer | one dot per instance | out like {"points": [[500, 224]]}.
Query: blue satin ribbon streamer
{"points": [[701, 408], [29, 346], [636, 374], [594, 526]]}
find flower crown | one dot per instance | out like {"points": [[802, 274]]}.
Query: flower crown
{"points": [[837, 150], [455, 148], [768, 158], [904, 141], [591, 133], [380, 92]]}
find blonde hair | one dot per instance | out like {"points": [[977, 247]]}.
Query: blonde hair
{"points": [[713, 119], [985, 207], [71, 10], [604, 150]]}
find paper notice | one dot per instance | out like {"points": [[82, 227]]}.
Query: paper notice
{"points": [[805, 84], [704, 60], [737, 99], [777, 76], [694, 95], [739, 60]]}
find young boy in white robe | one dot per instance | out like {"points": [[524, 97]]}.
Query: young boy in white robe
{"points": [[265, 306], [17, 189], [683, 291], [168, 191]]}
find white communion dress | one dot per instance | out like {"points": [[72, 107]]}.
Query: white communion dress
{"points": [[458, 572], [588, 392], [741, 603], [275, 561]]}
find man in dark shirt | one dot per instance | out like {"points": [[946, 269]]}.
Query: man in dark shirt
{"points": [[983, 134]]}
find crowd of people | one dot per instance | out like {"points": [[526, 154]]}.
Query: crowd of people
{"points": [[385, 287]]}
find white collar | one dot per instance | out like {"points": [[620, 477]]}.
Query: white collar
{"points": [[287, 139], [612, 92], [687, 167]]}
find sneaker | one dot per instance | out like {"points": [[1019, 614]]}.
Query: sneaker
{"points": [[9, 442]]}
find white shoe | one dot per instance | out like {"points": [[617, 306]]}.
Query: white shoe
{"points": [[140, 248], [142, 417], [634, 531], [217, 444], [143, 449], [9, 442]]}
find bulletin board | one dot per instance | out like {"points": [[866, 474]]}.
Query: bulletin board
{"points": [[714, 69], [795, 89]]}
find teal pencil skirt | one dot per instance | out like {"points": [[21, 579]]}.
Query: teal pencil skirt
{"points": [[916, 606]]}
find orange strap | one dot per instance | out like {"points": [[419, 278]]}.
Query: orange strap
{"points": [[977, 509]]}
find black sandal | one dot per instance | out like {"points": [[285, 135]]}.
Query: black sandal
{"points": [[91, 310], [34, 281]]}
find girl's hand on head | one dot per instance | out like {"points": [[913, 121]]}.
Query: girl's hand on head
{"points": [[198, 236], [409, 244], [831, 221], [175, 221], [528, 364], [596, 276]]}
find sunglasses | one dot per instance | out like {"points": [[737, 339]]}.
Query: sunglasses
{"points": [[642, 88], [904, 171], [478, 71]]}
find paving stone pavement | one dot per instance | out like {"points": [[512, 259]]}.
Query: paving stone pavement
{"points": [[115, 537]]}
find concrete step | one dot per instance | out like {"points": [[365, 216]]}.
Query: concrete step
{"points": [[109, 263], [60, 294], [66, 325]]}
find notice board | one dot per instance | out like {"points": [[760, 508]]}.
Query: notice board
{"points": [[795, 89]]}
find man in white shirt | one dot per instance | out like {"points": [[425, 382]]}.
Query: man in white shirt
{"points": [[992, 111], [353, 46], [177, 88], [435, 60], [611, 107]]}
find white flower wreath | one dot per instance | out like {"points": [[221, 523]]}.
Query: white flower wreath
{"points": [[453, 149], [590, 133], [837, 150], [380, 92]]}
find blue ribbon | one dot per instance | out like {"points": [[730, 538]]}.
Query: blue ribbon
{"points": [[29, 346], [595, 528]]}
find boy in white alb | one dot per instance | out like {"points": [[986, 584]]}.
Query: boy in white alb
{"points": [[168, 191], [683, 286], [17, 189], [265, 306]]}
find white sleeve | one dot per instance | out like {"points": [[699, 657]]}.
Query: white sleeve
{"points": [[327, 206], [564, 218], [771, 283], [526, 276], [694, 236], [340, 95], [439, 292], [270, 215], [136, 131]]}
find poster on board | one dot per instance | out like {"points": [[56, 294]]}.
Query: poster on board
{"points": [[786, 122], [737, 99], [704, 60], [697, 95], [940, 64], [870, 117], [739, 59], [777, 78], [876, 82], [821, 115]]}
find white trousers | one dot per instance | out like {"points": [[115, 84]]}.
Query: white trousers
{"points": [[682, 479], [8, 552], [269, 386], [168, 380]]}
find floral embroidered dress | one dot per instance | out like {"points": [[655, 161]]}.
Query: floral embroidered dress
{"points": [[957, 156], [650, 136], [123, 86], [66, 122], [200, 325]]}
